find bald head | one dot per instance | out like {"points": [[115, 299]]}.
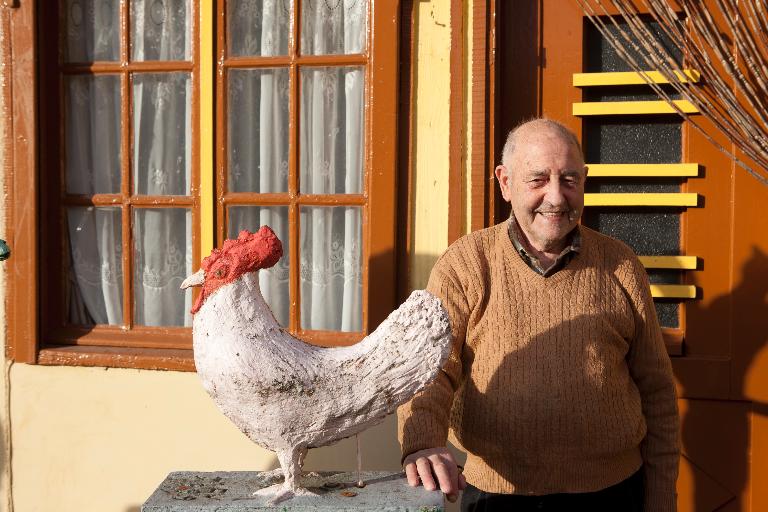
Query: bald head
{"points": [[542, 177], [533, 128]]}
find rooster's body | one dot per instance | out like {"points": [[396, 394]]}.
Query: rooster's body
{"points": [[286, 395]]}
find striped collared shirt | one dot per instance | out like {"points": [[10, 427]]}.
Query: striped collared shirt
{"points": [[562, 259]]}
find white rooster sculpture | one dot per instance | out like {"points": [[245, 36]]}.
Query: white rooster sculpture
{"points": [[284, 394]]}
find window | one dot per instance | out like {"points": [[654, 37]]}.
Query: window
{"points": [[633, 144], [295, 115], [120, 191], [304, 176]]}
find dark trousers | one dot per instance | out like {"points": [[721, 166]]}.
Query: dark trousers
{"points": [[626, 496]]}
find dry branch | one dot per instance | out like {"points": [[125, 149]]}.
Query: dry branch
{"points": [[725, 40]]}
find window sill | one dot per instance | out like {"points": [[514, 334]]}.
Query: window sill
{"points": [[183, 360], [673, 339], [114, 357], [165, 351]]}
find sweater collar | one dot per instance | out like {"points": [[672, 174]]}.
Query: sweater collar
{"points": [[571, 249]]}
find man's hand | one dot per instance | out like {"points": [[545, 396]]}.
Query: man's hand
{"points": [[426, 466]]}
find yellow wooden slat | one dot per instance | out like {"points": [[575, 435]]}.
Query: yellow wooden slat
{"points": [[671, 262], [673, 291], [641, 199], [613, 108], [653, 170], [630, 78], [207, 79]]}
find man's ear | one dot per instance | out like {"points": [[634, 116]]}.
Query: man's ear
{"points": [[586, 170], [502, 176]]}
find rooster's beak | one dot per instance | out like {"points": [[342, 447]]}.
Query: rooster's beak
{"points": [[196, 279]]}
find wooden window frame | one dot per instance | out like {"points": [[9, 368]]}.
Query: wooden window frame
{"points": [[24, 165], [55, 200]]}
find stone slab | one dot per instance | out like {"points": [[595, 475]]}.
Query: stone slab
{"points": [[188, 491]]}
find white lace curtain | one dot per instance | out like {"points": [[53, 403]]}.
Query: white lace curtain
{"points": [[160, 161], [331, 162]]}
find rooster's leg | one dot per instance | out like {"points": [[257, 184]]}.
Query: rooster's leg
{"points": [[301, 465], [302, 456], [290, 462]]}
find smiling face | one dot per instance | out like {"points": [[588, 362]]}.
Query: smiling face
{"points": [[543, 180]]}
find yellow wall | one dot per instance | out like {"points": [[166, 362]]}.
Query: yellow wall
{"points": [[93, 439], [97, 439], [430, 181], [430, 154], [468, 47]]}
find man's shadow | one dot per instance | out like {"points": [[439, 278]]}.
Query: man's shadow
{"points": [[539, 397], [716, 433]]}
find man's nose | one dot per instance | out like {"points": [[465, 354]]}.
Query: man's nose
{"points": [[554, 193]]}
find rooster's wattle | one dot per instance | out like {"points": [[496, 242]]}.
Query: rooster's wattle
{"points": [[284, 394]]}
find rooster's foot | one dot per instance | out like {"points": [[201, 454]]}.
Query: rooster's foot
{"points": [[272, 476], [279, 493], [276, 476]]}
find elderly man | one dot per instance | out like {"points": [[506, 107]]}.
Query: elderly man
{"points": [[559, 386]]}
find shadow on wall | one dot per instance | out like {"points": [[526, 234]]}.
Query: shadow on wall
{"points": [[379, 447], [420, 268], [515, 378], [716, 434]]}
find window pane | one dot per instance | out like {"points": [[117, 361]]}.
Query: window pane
{"points": [[650, 140], [162, 140], [162, 260], [258, 28], [95, 276], [602, 57], [331, 272], [92, 30], [92, 129], [160, 29], [649, 233], [332, 130], [667, 311], [273, 281], [333, 26], [257, 130]]}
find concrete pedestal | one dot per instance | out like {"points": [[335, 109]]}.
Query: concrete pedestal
{"points": [[335, 491]]}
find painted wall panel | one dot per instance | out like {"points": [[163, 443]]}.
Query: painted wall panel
{"points": [[93, 439], [430, 180]]}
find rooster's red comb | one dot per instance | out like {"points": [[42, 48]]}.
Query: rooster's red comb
{"points": [[250, 251], [246, 253]]}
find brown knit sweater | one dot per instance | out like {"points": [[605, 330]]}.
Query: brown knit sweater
{"points": [[556, 384]]}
